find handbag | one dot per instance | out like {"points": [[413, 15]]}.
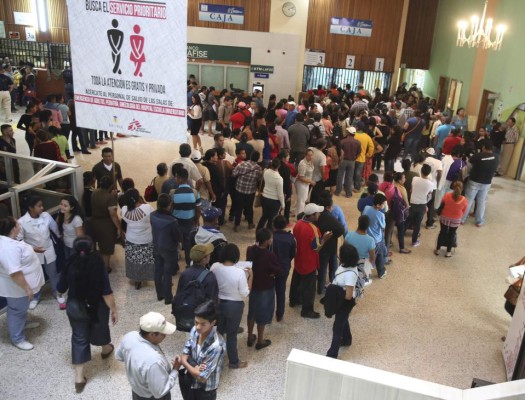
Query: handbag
{"points": [[405, 134], [150, 194], [513, 292]]}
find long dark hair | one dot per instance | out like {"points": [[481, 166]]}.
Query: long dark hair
{"points": [[75, 210], [132, 198]]}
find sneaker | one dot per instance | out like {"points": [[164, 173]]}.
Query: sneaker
{"points": [[32, 325], [384, 275], [61, 302], [33, 303], [433, 226], [25, 345], [311, 315], [415, 244]]}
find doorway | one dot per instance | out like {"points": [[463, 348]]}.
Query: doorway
{"points": [[486, 109], [442, 92]]}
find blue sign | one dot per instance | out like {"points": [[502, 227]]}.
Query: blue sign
{"points": [[353, 27], [262, 76], [221, 13]]}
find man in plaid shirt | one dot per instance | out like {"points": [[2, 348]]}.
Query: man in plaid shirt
{"points": [[203, 356], [248, 175], [359, 105]]}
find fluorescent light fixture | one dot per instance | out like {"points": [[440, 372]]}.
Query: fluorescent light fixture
{"points": [[40, 7]]}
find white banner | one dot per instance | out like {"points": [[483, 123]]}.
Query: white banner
{"points": [[129, 66]]}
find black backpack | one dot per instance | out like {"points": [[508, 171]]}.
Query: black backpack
{"points": [[185, 302]]}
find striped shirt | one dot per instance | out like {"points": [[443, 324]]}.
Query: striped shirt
{"points": [[185, 201], [210, 353]]}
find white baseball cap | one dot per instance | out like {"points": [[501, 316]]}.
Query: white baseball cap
{"points": [[196, 155], [312, 208], [156, 322]]}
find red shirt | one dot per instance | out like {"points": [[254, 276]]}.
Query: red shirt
{"points": [[449, 143], [237, 120], [453, 209], [308, 237]]}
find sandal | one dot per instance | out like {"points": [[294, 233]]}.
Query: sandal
{"points": [[106, 355], [405, 251], [436, 252], [262, 345], [251, 340]]}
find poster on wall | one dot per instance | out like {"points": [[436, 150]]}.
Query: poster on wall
{"points": [[221, 13], [119, 50], [315, 58], [349, 26], [30, 34]]}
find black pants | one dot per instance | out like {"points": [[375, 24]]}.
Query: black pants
{"points": [[416, 214], [316, 192], [302, 290], [198, 394], [341, 333], [166, 263], [185, 226], [296, 156], [280, 293], [447, 236], [287, 208], [220, 203], [509, 307], [376, 161], [244, 204], [270, 209], [135, 396], [431, 213]]}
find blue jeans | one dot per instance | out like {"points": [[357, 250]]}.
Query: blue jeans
{"points": [[381, 253], [345, 173], [415, 217], [478, 192], [229, 321], [357, 174], [16, 318], [389, 165], [54, 277], [411, 146]]}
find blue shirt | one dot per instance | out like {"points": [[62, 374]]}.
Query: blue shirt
{"points": [[337, 212], [365, 201], [363, 243], [211, 353], [441, 133], [290, 118], [185, 201], [377, 223]]}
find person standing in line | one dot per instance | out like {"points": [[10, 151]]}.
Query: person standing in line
{"points": [[309, 243], [507, 148], [149, 373], [89, 305], [376, 215], [272, 200], [166, 238], [299, 136], [224, 115], [234, 287], [422, 188], [351, 150], [303, 182], [413, 130], [285, 248], [203, 356], [8, 144], [195, 114], [21, 278], [453, 205], [367, 152], [248, 175], [484, 166], [36, 226], [346, 278], [319, 175], [262, 296]]}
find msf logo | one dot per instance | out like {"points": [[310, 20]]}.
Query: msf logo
{"points": [[134, 125]]}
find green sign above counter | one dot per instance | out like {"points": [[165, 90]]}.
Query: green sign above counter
{"points": [[266, 69], [219, 53]]}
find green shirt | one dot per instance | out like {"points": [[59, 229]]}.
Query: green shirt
{"points": [[61, 140]]}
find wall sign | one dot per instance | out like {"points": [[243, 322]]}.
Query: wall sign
{"points": [[218, 53], [314, 58], [14, 35], [23, 18], [30, 34], [348, 26], [380, 64], [268, 69], [221, 13], [350, 62], [122, 90], [262, 76]]}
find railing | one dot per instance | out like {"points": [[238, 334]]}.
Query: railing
{"points": [[314, 76], [42, 55]]}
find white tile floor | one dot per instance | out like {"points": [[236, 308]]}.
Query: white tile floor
{"points": [[433, 318]]}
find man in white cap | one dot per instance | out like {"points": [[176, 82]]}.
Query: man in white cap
{"points": [[309, 243], [292, 112], [149, 372]]}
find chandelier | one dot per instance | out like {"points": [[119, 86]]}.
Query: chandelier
{"points": [[480, 32]]}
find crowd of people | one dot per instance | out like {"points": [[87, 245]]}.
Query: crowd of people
{"points": [[331, 144]]}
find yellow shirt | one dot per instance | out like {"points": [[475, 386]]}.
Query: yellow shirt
{"points": [[367, 147]]}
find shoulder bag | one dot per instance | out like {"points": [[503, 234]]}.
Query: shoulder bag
{"points": [[150, 194], [405, 134]]}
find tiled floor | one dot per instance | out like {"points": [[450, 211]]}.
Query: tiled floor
{"points": [[433, 318]]}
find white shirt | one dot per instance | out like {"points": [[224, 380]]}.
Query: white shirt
{"points": [[319, 161], [421, 189], [346, 277], [190, 166], [108, 167], [139, 227], [232, 282], [273, 186], [436, 165], [18, 256], [147, 368], [197, 112], [35, 232], [70, 231]]}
